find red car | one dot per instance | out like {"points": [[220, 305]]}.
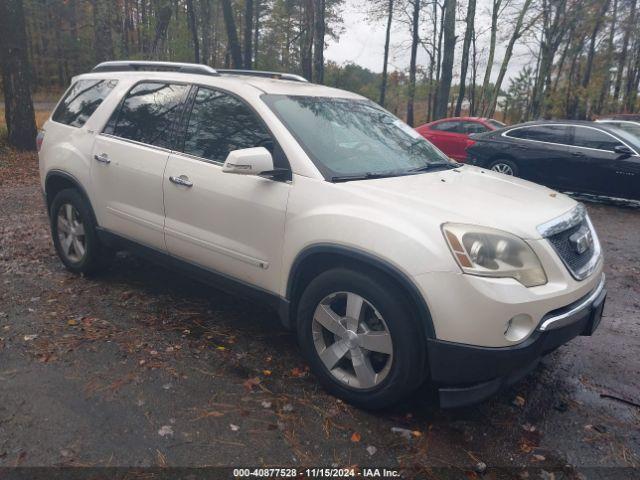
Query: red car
{"points": [[451, 135]]}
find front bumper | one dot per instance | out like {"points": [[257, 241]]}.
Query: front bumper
{"points": [[468, 374]]}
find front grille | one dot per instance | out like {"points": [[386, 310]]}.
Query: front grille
{"points": [[579, 263]]}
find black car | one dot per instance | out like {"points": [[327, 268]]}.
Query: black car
{"points": [[583, 157]]}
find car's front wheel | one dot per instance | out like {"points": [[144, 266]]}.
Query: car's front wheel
{"points": [[361, 338], [74, 233]]}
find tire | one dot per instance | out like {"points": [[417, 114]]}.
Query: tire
{"points": [[504, 166], [395, 375], [84, 253]]}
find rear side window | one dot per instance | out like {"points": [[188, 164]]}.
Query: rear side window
{"points": [[543, 133], [148, 114], [220, 123], [82, 99], [592, 138], [473, 127], [451, 127]]}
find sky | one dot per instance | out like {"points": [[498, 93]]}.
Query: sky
{"points": [[362, 42]]}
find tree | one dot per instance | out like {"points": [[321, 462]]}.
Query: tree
{"points": [[385, 62], [517, 33], [248, 34], [468, 34], [232, 34], [495, 14], [103, 45], [318, 48], [18, 106], [622, 59], [444, 88], [415, 37], [191, 18]]}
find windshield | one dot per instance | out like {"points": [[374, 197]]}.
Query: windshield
{"points": [[355, 138]]}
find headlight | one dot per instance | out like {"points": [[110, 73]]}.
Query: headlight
{"points": [[493, 253]]}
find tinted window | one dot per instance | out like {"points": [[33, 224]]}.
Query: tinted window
{"points": [[496, 123], [148, 113], [592, 138], [82, 99], [473, 127], [543, 133], [451, 127], [220, 123]]}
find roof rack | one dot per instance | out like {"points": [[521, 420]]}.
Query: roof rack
{"points": [[197, 68], [262, 73], [134, 65]]}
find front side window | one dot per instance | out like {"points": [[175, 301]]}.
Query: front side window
{"points": [[592, 138], [82, 99], [473, 127], [348, 138], [543, 133], [220, 123], [148, 113]]}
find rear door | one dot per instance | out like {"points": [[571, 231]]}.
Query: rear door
{"points": [[448, 136], [542, 154], [129, 158], [232, 224]]}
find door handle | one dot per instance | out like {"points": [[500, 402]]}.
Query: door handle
{"points": [[102, 158], [577, 154], [181, 180], [522, 147]]}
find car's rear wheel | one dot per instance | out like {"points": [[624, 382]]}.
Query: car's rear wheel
{"points": [[504, 166], [74, 233], [362, 340]]}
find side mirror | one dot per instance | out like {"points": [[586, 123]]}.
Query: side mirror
{"points": [[623, 151], [248, 161]]}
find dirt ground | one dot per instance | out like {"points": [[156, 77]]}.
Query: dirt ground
{"points": [[141, 366]]}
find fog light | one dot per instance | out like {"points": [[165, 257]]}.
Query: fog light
{"points": [[519, 327]]}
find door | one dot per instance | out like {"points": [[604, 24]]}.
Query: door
{"points": [[128, 162], [602, 171], [448, 136], [542, 154], [232, 224]]}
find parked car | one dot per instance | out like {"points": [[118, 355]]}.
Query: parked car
{"points": [[572, 156], [363, 238], [629, 126], [451, 135]]}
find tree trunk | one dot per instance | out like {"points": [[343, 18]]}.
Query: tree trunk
{"points": [[191, 19], [232, 34], [205, 25], [256, 30], [415, 32], [622, 60], [18, 106], [606, 81], [471, 15], [318, 48], [103, 46], [517, 33], [444, 88], [163, 16], [248, 34], [306, 40], [492, 51], [385, 62]]}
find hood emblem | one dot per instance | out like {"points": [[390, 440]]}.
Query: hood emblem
{"points": [[581, 241]]}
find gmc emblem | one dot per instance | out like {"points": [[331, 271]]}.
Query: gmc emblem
{"points": [[581, 241]]}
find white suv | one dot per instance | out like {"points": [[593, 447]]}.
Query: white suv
{"points": [[393, 264]]}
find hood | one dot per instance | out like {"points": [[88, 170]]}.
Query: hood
{"points": [[468, 195]]}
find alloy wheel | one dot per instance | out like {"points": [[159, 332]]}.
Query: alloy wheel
{"points": [[503, 168], [352, 340], [71, 233]]}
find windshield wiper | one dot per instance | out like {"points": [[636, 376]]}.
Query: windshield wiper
{"points": [[433, 166], [364, 176]]}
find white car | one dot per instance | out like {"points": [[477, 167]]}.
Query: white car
{"points": [[394, 264]]}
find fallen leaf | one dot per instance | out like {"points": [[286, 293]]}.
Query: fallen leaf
{"points": [[539, 458], [72, 322], [371, 450], [355, 437], [165, 430], [250, 383], [28, 338], [519, 401], [234, 428], [266, 373]]}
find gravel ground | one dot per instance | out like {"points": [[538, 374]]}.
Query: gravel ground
{"points": [[140, 366]]}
